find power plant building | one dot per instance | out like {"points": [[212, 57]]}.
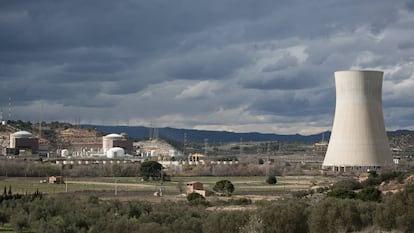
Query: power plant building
{"points": [[117, 140], [358, 140], [23, 143]]}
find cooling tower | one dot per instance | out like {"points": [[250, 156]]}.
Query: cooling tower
{"points": [[358, 139]]}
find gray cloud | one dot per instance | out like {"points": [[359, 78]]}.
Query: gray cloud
{"points": [[235, 65]]}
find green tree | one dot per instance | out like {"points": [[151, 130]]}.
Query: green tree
{"points": [[369, 194], [335, 215], [284, 217], [342, 193], [224, 186], [19, 221], [271, 180], [349, 184], [195, 196], [225, 221], [4, 218], [197, 199], [151, 170]]}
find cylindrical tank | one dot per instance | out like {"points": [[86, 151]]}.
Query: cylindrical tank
{"points": [[18, 134], [108, 140], [115, 152], [64, 153], [358, 138]]}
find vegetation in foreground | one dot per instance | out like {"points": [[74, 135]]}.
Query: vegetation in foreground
{"points": [[334, 213]]}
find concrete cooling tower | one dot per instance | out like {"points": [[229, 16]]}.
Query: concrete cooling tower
{"points": [[358, 140]]}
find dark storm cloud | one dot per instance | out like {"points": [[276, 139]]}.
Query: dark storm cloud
{"points": [[215, 64], [216, 60], [286, 80]]}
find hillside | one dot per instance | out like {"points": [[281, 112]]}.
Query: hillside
{"points": [[401, 138], [191, 135], [64, 135]]}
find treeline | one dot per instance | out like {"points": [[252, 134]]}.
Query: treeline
{"points": [[89, 214], [21, 168]]}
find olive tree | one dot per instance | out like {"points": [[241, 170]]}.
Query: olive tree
{"points": [[224, 186], [151, 169]]}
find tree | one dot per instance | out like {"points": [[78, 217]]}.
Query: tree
{"points": [[196, 198], [151, 169], [4, 218], [224, 186], [369, 194], [287, 216], [271, 180], [335, 215], [342, 193]]}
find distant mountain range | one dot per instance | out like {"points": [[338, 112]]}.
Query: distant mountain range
{"points": [[178, 135], [191, 135]]}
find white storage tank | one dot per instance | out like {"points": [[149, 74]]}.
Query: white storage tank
{"points": [[64, 153], [115, 152], [107, 141]]}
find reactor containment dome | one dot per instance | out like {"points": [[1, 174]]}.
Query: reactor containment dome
{"points": [[358, 140]]}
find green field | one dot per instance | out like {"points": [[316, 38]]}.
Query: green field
{"points": [[133, 187]]}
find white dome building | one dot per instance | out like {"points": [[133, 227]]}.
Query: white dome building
{"points": [[108, 141], [117, 140], [23, 141]]}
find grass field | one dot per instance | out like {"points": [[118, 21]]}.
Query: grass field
{"points": [[133, 187]]}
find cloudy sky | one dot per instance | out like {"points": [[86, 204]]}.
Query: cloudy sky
{"points": [[235, 65]]}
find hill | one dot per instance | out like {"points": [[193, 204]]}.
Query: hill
{"points": [[191, 135]]}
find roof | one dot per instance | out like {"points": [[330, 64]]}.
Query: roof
{"points": [[22, 134], [113, 135]]}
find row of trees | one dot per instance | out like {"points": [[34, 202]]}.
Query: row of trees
{"points": [[21, 168]]}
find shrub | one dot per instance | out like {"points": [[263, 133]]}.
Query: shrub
{"points": [[347, 184], [288, 216], [369, 194], [271, 180], [335, 215], [342, 193], [224, 186], [240, 201], [195, 196], [197, 199]]}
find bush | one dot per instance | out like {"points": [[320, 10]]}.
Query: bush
{"points": [[224, 186], [335, 215], [347, 184], [369, 194], [240, 201], [271, 180], [197, 199], [195, 196], [342, 193], [288, 216]]}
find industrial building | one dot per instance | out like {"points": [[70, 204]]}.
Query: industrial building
{"points": [[23, 143], [117, 140], [358, 139]]}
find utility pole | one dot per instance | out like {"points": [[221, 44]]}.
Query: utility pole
{"points": [[267, 160], [185, 144], [205, 146], [161, 181]]}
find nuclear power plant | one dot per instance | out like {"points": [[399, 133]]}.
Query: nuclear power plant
{"points": [[358, 140]]}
